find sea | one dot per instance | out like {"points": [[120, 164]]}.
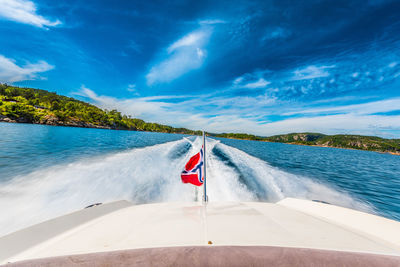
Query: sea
{"points": [[48, 171]]}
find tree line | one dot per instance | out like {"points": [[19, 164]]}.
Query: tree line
{"points": [[38, 106]]}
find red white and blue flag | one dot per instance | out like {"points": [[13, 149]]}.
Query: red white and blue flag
{"points": [[193, 172]]}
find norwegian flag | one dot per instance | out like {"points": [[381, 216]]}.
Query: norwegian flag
{"points": [[193, 172]]}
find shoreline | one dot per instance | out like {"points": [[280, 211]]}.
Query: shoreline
{"points": [[349, 148], [91, 126], [84, 125], [299, 144]]}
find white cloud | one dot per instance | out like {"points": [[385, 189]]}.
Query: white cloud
{"points": [[11, 72], [24, 11], [334, 124], [380, 106], [260, 83], [131, 87], [189, 112], [212, 21], [378, 125], [84, 91], [253, 80], [238, 80], [311, 72], [148, 108], [191, 39], [182, 56]]}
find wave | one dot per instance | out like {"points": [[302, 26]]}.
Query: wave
{"points": [[152, 174]]}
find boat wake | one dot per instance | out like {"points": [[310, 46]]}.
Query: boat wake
{"points": [[152, 174]]}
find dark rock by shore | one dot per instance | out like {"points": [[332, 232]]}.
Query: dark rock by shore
{"points": [[54, 121]]}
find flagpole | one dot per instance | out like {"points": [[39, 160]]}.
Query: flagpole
{"points": [[205, 198]]}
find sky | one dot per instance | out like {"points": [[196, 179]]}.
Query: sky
{"points": [[260, 67]]}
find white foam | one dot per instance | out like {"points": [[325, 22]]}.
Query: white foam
{"points": [[222, 181], [278, 184], [139, 175], [150, 174]]}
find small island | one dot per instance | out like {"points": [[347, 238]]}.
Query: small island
{"points": [[28, 105]]}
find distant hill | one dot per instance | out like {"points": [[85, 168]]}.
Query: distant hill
{"points": [[29, 105], [301, 138], [242, 136], [371, 143]]}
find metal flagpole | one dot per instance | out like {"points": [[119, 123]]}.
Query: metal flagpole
{"points": [[205, 198]]}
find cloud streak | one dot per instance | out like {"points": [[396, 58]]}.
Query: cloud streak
{"points": [[260, 83], [251, 81], [311, 72], [380, 106], [24, 11], [212, 21], [184, 55], [10, 72]]}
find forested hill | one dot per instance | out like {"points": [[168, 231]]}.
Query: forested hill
{"points": [[371, 143], [42, 107]]}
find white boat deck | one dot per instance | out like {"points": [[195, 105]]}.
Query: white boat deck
{"points": [[121, 226]]}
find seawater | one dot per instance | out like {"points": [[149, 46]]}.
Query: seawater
{"points": [[47, 171]]}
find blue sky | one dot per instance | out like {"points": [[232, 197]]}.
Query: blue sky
{"points": [[261, 67]]}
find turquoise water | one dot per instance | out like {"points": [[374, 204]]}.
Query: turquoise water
{"points": [[47, 171], [27, 147]]}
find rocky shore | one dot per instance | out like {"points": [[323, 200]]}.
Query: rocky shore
{"points": [[52, 120]]}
